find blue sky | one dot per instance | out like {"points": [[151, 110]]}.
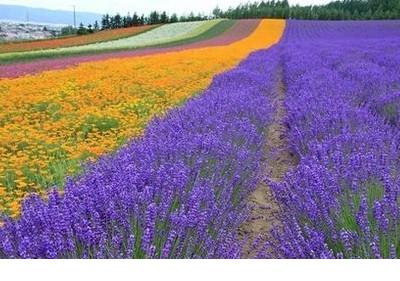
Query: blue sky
{"points": [[142, 6]]}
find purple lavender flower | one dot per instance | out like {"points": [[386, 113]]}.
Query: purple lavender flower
{"points": [[342, 112]]}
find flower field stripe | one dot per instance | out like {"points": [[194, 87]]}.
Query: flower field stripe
{"points": [[101, 36], [343, 103], [241, 30], [163, 34], [177, 192], [53, 121], [207, 34]]}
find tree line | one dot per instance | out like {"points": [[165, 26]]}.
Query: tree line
{"points": [[118, 21], [336, 10], [81, 30]]}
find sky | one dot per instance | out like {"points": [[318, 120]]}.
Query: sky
{"points": [[141, 6]]}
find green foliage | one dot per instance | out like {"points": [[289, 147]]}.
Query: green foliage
{"points": [[155, 17], [68, 30], [336, 10], [102, 124], [346, 220], [391, 112], [52, 109], [9, 179], [82, 30]]}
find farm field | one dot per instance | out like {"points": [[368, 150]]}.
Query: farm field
{"points": [[83, 112], [68, 41], [343, 86], [155, 36], [256, 139], [240, 30]]}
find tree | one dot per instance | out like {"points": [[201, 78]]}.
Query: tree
{"points": [[96, 26], [128, 20], [118, 21], [90, 29], [173, 18], [191, 17], [378, 14], [112, 22], [105, 22], [135, 19], [154, 18], [82, 30], [217, 12], [356, 15], [164, 17], [285, 4], [368, 15], [68, 30], [124, 22], [142, 20]]}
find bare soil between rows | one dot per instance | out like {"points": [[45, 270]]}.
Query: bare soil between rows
{"points": [[277, 160]]}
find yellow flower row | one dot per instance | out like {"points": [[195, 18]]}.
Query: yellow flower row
{"points": [[51, 122]]}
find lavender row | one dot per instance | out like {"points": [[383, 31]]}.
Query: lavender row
{"points": [[178, 192], [342, 200]]}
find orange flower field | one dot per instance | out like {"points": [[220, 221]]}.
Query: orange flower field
{"points": [[51, 122], [101, 36]]}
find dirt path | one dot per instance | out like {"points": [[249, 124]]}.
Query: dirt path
{"points": [[278, 159]]}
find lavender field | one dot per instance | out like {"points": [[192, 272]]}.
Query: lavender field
{"points": [[343, 103], [295, 153]]}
